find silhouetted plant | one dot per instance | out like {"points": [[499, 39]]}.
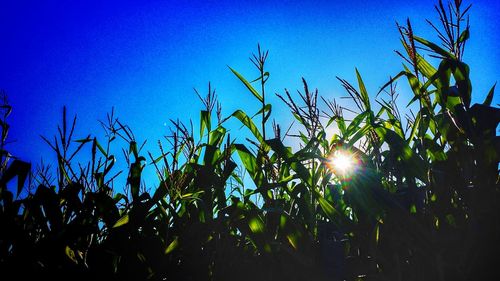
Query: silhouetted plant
{"points": [[421, 203]]}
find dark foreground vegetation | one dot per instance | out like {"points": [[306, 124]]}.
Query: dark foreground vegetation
{"points": [[421, 204]]}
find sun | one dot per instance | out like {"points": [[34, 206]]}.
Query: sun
{"points": [[342, 162]]}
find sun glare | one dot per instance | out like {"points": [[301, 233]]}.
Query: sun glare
{"points": [[342, 162]]}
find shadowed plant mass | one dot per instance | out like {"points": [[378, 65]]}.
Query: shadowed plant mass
{"points": [[391, 195]]}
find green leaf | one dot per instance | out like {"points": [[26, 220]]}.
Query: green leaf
{"points": [[256, 225], [101, 149], [85, 140], [250, 163], [329, 210], [413, 209], [461, 74], [434, 47], [415, 126], [418, 90], [134, 178], [217, 136], [265, 76], [290, 230], [267, 109], [172, 246], [133, 149], [291, 160], [341, 125], [110, 163], [362, 90], [359, 134], [248, 85], [433, 198], [122, 221], [489, 97], [392, 80], [426, 68], [441, 80], [247, 122], [354, 125], [70, 254], [204, 121], [464, 36]]}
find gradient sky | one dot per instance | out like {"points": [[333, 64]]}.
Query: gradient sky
{"points": [[145, 58]]}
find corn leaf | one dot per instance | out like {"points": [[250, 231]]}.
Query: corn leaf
{"points": [[247, 84]]}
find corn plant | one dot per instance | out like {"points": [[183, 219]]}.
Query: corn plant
{"points": [[391, 195]]}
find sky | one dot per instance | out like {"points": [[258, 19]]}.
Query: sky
{"points": [[145, 57]]}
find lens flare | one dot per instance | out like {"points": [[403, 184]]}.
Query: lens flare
{"points": [[342, 162]]}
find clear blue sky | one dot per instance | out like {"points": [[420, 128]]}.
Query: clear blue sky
{"points": [[144, 58]]}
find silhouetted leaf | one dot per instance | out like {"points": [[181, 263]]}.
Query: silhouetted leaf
{"points": [[17, 168], [489, 97]]}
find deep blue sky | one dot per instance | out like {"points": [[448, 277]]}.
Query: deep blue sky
{"points": [[145, 58]]}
